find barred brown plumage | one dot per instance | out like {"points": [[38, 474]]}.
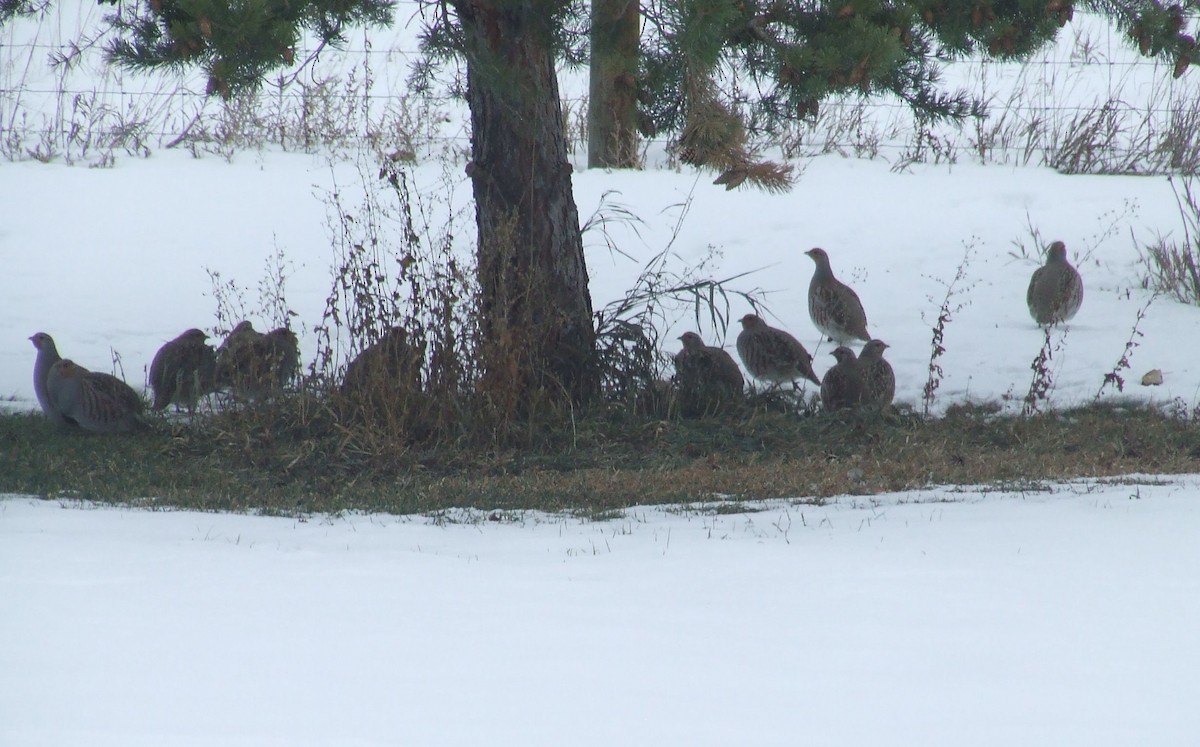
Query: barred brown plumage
{"points": [[706, 376], [772, 354], [96, 402], [235, 356], [842, 385], [1055, 290], [389, 364], [878, 378], [183, 371], [254, 365], [834, 306]]}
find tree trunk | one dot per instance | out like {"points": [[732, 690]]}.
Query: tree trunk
{"points": [[536, 311], [612, 100]]}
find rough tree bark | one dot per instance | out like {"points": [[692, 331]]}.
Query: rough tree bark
{"points": [[537, 314], [612, 105]]}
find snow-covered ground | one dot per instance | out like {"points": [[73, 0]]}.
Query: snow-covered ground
{"points": [[113, 261], [932, 618]]}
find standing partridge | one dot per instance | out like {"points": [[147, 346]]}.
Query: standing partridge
{"points": [[183, 371], [842, 385], [771, 354], [707, 377], [96, 402], [47, 356], [1055, 290], [878, 379], [833, 305]]}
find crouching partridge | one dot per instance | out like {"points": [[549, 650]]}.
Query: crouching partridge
{"points": [[235, 355], [842, 385], [878, 378], [707, 377], [183, 371], [254, 364], [1056, 290], [96, 402]]}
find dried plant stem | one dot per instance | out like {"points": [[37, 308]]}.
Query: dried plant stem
{"points": [[946, 314], [1114, 377]]}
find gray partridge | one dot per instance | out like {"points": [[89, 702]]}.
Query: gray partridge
{"points": [[771, 354], [834, 306], [707, 377], [183, 371], [1056, 289], [878, 378], [383, 382], [842, 385], [279, 351], [47, 356], [235, 355], [261, 365], [96, 402], [386, 364]]}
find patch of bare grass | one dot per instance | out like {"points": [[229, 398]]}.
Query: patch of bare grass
{"points": [[613, 460]]}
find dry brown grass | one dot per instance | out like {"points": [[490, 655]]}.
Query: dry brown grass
{"points": [[600, 462]]}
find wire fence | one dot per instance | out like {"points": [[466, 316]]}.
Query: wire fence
{"points": [[1087, 102]]}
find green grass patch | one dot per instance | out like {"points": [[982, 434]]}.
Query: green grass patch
{"points": [[594, 464]]}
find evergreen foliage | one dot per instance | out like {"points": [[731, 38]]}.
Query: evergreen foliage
{"points": [[236, 43], [714, 71], [12, 8]]}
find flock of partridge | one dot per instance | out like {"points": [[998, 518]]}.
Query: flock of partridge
{"points": [[248, 364], [707, 376], [251, 365]]}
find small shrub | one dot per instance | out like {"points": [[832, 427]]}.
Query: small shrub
{"points": [[1114, 377], [946, 311], [631, 355], [1171, 267], [1042, 382]]}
